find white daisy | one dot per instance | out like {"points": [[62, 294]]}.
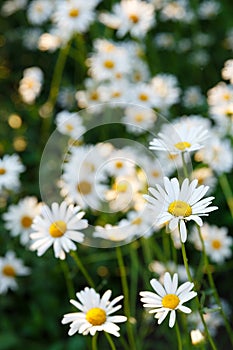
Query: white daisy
{"points": [[30, 85], [218, 245], [19, 218], [168, 298], [39, 11], [193, 97], [10, 268], [179, 137], [178, 204], [70, 124], [10, 169], [227, 71], [133, 16], [58, 226], [95, 313], [114, 233]]}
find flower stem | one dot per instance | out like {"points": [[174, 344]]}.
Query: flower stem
{"points": [[69, 282], [126, 297], [94, 342], [179, 342], [214, 289], [82, 268], [227, 191], [185, 170], [185, 259], [110, 341]]}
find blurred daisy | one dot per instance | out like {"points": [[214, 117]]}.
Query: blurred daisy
{"points": [[197, 337], [177, 204], [95, 313], [141, 94], [114, 233], [217, 154], [10, 268], [205, 176], [70, 124], [58, 226], [165, 90], [11, 6], [10, 169], [133, 16], [66, 97], [74, 16], [193, 97], [209, 9], [170, 266], [180, 137], [39, 11], [30, 85], [221, 93], [168, 298], [19, 218]]}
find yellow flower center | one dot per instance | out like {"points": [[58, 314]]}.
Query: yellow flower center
{"points": [[182, 145], [109, 64], [170, 301], [74, 13], [172, 156], [138, 118], [69, 127], [26, 221], [121, 186], [134, 18], [116, 94], [84, 187], [143, 97], [180, 208], [155, 173], [119, 164], [57, 228], [8, 271], [2, 171], [216, 244], [96, 316], [136, 221], [94, 96]]}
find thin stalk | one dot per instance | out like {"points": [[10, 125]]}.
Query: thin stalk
{"points": [[178, 336], [134, 277], [82, 268], [214, 289], [112, 345], [126, 297], [94, 342], [185, 170], [209, 337], [227, 191], [69, 282]]}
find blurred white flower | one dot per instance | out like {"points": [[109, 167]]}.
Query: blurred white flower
{"points": [[39, 11], [10, 169], [19, 218], [209, 9], [31, 83], [70, 124], [10, 268]]}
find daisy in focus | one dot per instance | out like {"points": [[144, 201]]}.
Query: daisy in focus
{"points": [[95, 313], [168, 298], [177, 204], [182, 136], [58, 227], [19, 218], [10, 268]]}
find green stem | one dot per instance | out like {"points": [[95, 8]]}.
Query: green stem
{"points": [[134, 276], [214, 289], [82, 268], [94, 342], [185, 259], [126, 297], [179, 342], [69, 282], [185, 170], [110, 341], [227, 191]]}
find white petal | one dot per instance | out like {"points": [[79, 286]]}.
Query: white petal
{"points": [[158, 287], [183, 231], [172, 318]]}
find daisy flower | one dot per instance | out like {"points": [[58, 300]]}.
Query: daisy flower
{"points": [[58, 226], [70, 124], [10, 268], [133, 16], [95, 313], [168, 298], [179, 204], [10, 168], [179, 137], [19, 218], [227, 71], [30, 85], [39, 11]]}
